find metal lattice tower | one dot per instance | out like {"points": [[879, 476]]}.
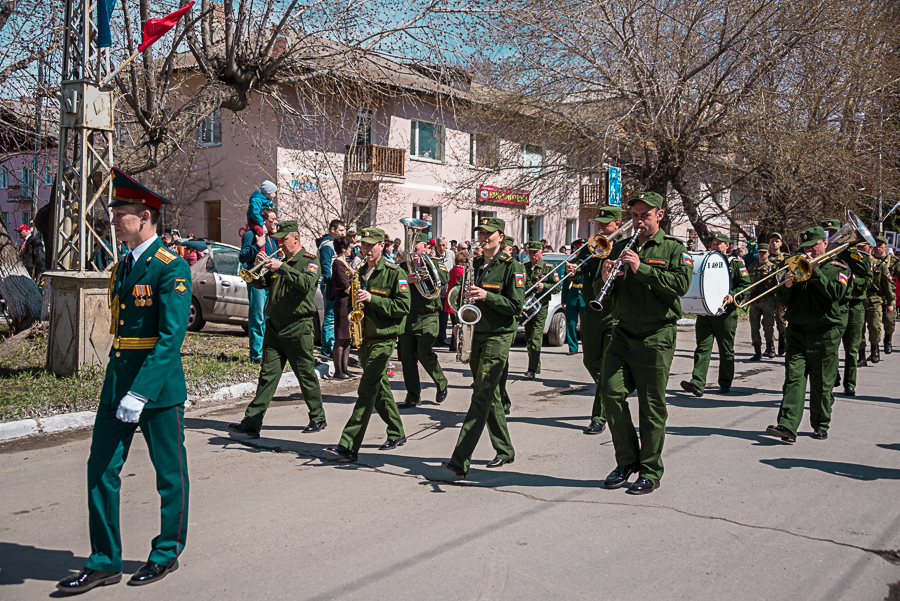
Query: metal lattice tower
{"points": [[83, 176]]}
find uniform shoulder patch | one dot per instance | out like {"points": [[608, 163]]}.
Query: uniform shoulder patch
{"points": [[442, 267], [165, 255], [392, 265], [181, 286], [687, 259], [403, 285], [505, 257], [843, 278], [312, 268], [520, 280]]}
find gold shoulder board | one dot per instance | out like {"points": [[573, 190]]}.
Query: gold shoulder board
{"points": [[165, 255]]}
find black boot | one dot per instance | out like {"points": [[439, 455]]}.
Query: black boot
{"points": [[770, 350], [780, 345], [757, 356], [876, 354], [888, 347], [838, 382], [861, 361]]}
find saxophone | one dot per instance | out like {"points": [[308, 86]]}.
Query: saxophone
{"points": [[356, 314], [467, 313]]}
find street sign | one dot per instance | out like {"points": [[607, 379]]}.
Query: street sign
{"points": [[614, 186]]}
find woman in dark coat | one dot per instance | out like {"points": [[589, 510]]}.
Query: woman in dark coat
{"points": [[341, 276]]}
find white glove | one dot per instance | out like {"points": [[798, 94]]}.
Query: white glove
{"points": [[130, 408]]}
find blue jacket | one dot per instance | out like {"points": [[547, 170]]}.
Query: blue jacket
{"points": [[258, 202], [249, 249], [326, 254]]}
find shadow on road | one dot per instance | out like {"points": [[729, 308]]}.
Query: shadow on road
{"points": [[19, 563], [837, 468], [756, 436]]}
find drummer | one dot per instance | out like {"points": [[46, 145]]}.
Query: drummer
{"points": [[721, 327]]}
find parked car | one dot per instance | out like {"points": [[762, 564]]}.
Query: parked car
{"points": [[555, 325], [219, 294]]}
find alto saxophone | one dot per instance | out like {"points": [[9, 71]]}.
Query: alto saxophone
{"points": [[356, 314]]}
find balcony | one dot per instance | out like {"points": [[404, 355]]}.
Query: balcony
{"points": [[19, 194], [593, 195], [375, 163]]}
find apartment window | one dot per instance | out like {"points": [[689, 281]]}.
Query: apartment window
{"points": [[426, 141], [4, 178], [364, 127], [47, 175], [26, 217], [209, 132], [532, 159], [432, 216], [6, 222], [571, 230], [533, 228], [483, 151], [26, 177]]}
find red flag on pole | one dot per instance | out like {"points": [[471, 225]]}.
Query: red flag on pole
{"points": [[157, 28]]}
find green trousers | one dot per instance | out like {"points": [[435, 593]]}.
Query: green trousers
{"points": [[534, 338], [490, 353], [815, 354], [293, 344], [595, 341], [780, 321], [415, 350], [889, 322], [641, 363], [856, 320], [721, 329], [504, 395], [874, 314], [163, 431], [762, 312], [374, 392]]}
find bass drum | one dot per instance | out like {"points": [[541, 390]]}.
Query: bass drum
{"points": [[710, 284]]}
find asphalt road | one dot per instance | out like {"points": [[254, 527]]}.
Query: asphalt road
{"points": [[738, 515]]}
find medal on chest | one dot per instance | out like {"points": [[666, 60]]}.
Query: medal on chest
{"points": [[142, 295]]}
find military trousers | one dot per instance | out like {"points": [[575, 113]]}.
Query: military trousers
{"points": [[852, 335], [813, 354], [721, 329], [489, 355], [874, 314], [573, 312], [415, 349], [641, 363], [890, 322], [504, 395], [374, 392], [534, 338], [762, 312], [780, 321], [163, 431], [596, 337], [294, 344]]}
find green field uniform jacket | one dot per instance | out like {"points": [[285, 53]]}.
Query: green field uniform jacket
{"points": [[533, 273], [154, 300], [385, 314], [757, 272], [292, 289], [816, 303], [882, 290], [420, 308], [861, 275], [590, 273], [740, 279], [650, 298], [504, 282]]}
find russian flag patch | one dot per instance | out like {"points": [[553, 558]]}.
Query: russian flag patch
{"points": [[844, 279], [688, 260], [404, 287], [520, 280]]}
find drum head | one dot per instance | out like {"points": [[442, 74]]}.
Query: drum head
{"points": [[710, 285]]}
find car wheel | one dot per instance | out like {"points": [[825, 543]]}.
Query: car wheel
{"points": [[556, 336], [195, 318]]}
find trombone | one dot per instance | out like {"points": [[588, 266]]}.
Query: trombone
{"points": [[256, 272]]}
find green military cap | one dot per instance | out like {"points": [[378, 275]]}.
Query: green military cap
{"points": [[651, 198], [720, 237], [763, 248], [422, 237], [491, 224], [811, 236], [372, 235], [509, 241], [776, 235], [285, 228], [880, 240], [831, 224], [609, 214], [534, 245]]}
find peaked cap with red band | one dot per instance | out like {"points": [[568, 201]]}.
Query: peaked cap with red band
{"points": [[126, 191]]}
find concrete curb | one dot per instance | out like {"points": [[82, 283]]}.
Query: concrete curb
{"points": [[85, 419], [684, 321]]}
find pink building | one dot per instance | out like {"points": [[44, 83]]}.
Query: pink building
{"points": [[25, 177]]}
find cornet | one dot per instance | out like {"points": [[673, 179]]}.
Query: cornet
{"points": [[257, 271]]}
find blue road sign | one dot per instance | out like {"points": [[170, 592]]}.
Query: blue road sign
{"points": [[614, 186]]}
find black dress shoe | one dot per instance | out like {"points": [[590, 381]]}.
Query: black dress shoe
{"points": [[150, 572], [528, 375], [392, 443], [441, 395], [849, 392], [87, 579], [408, 404], [315, 426], [500, 462], [452, 468], [691, 387], [242, 430], [819, 434], [595, 428], [724, 389], [506, 410], [642, 486], [783, 433], [619, 476], [343, 454]]}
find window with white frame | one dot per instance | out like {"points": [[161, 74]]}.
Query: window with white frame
{"points": [[533, 226], [532, 159], [483, 151], [571, 230], [47, 173], [209, 132], [4, 178], [426, 141]]}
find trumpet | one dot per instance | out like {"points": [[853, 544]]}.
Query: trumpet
{"points": [[429, 284], [258, 271]]}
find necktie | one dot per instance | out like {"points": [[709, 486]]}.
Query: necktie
{"points": [[129, 263]]}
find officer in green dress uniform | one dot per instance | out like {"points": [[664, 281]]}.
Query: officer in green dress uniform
{"points": [[535, 270], [420, 333], [722, 328], [880, 299], [150, 299], [289, 333], [505, 400], [385, 296], [573, 303], [813, 336], [596, 326], [891, 266], [498, 291], [646, 302], [762, 311], [778, 257]]}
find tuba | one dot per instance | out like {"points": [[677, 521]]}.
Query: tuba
{"points": [[356, 313], [467, 313], [429, 284]]}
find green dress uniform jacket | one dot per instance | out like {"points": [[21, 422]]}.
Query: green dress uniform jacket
{"points": [[416, 343], [814, 332], [289, 336], [647, 305], [722, 329], [385, 319], [504, 284], [534, 328], [150, 307]]}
